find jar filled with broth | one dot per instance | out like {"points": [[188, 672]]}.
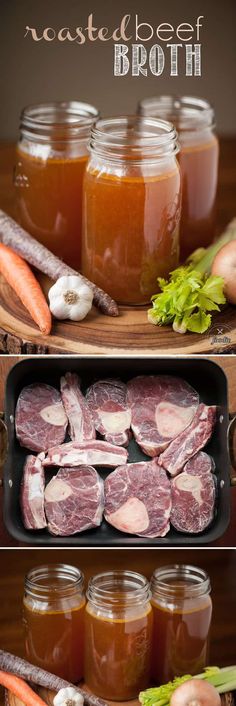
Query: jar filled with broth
{"points": [[131, 208], [198, 158], [182, 611], [51, 158], [118, 633], [53, 616]]}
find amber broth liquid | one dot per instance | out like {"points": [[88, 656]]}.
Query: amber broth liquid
{"points": [[180, 641], [54, 640], [130, 232], [49, 198], [117, 655], [199, 170]]}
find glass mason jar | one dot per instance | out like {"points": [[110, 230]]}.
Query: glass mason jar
{"points": [[131, 207], [182, 611], [53, 617], [118, 632], [50, 162], [198, 157]]}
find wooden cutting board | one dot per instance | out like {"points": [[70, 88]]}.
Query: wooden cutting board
{"points": [[129, 333], [47, 696]]}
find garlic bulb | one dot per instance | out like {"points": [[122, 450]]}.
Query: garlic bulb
{"points": [[68, 697], [70, 298]]}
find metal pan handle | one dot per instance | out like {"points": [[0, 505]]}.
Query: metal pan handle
{"points": [[232, 446], [3, 445]]}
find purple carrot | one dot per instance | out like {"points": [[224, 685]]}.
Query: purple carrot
{"points": [[21, 668], [13, 235]]}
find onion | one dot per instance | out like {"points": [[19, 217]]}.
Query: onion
{"points": [[195, 692], [224, 265]]}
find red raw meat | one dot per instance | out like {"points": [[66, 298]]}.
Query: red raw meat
{"points": [[108, 406], [81, 427], [94, 453], [200, 464], [74, 501], [32, 493], [162, 406], [193, 495], [192, 440], [138, 499], [40, 417]]}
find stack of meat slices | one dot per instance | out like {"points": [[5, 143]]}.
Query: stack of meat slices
{"points": [[168, 423]]}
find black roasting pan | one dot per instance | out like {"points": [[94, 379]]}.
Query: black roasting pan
{"points": [[206, 376]]}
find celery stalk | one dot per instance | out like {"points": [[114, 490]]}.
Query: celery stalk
{"points": [[191, 294], [222, 679]]}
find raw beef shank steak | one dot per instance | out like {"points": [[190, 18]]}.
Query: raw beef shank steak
{"points": [[138, 499], [162, 406], [32, 493], [74, 501], [92, 453], [40, 417], [108, 406], [193, 495], [81, 425], [192, 440]]}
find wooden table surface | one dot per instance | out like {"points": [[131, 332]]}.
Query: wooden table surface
{"points": [[228, 363], [220, 565]]}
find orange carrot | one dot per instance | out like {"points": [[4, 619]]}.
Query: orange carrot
{"points": [[20, 277], [19, 688]]}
